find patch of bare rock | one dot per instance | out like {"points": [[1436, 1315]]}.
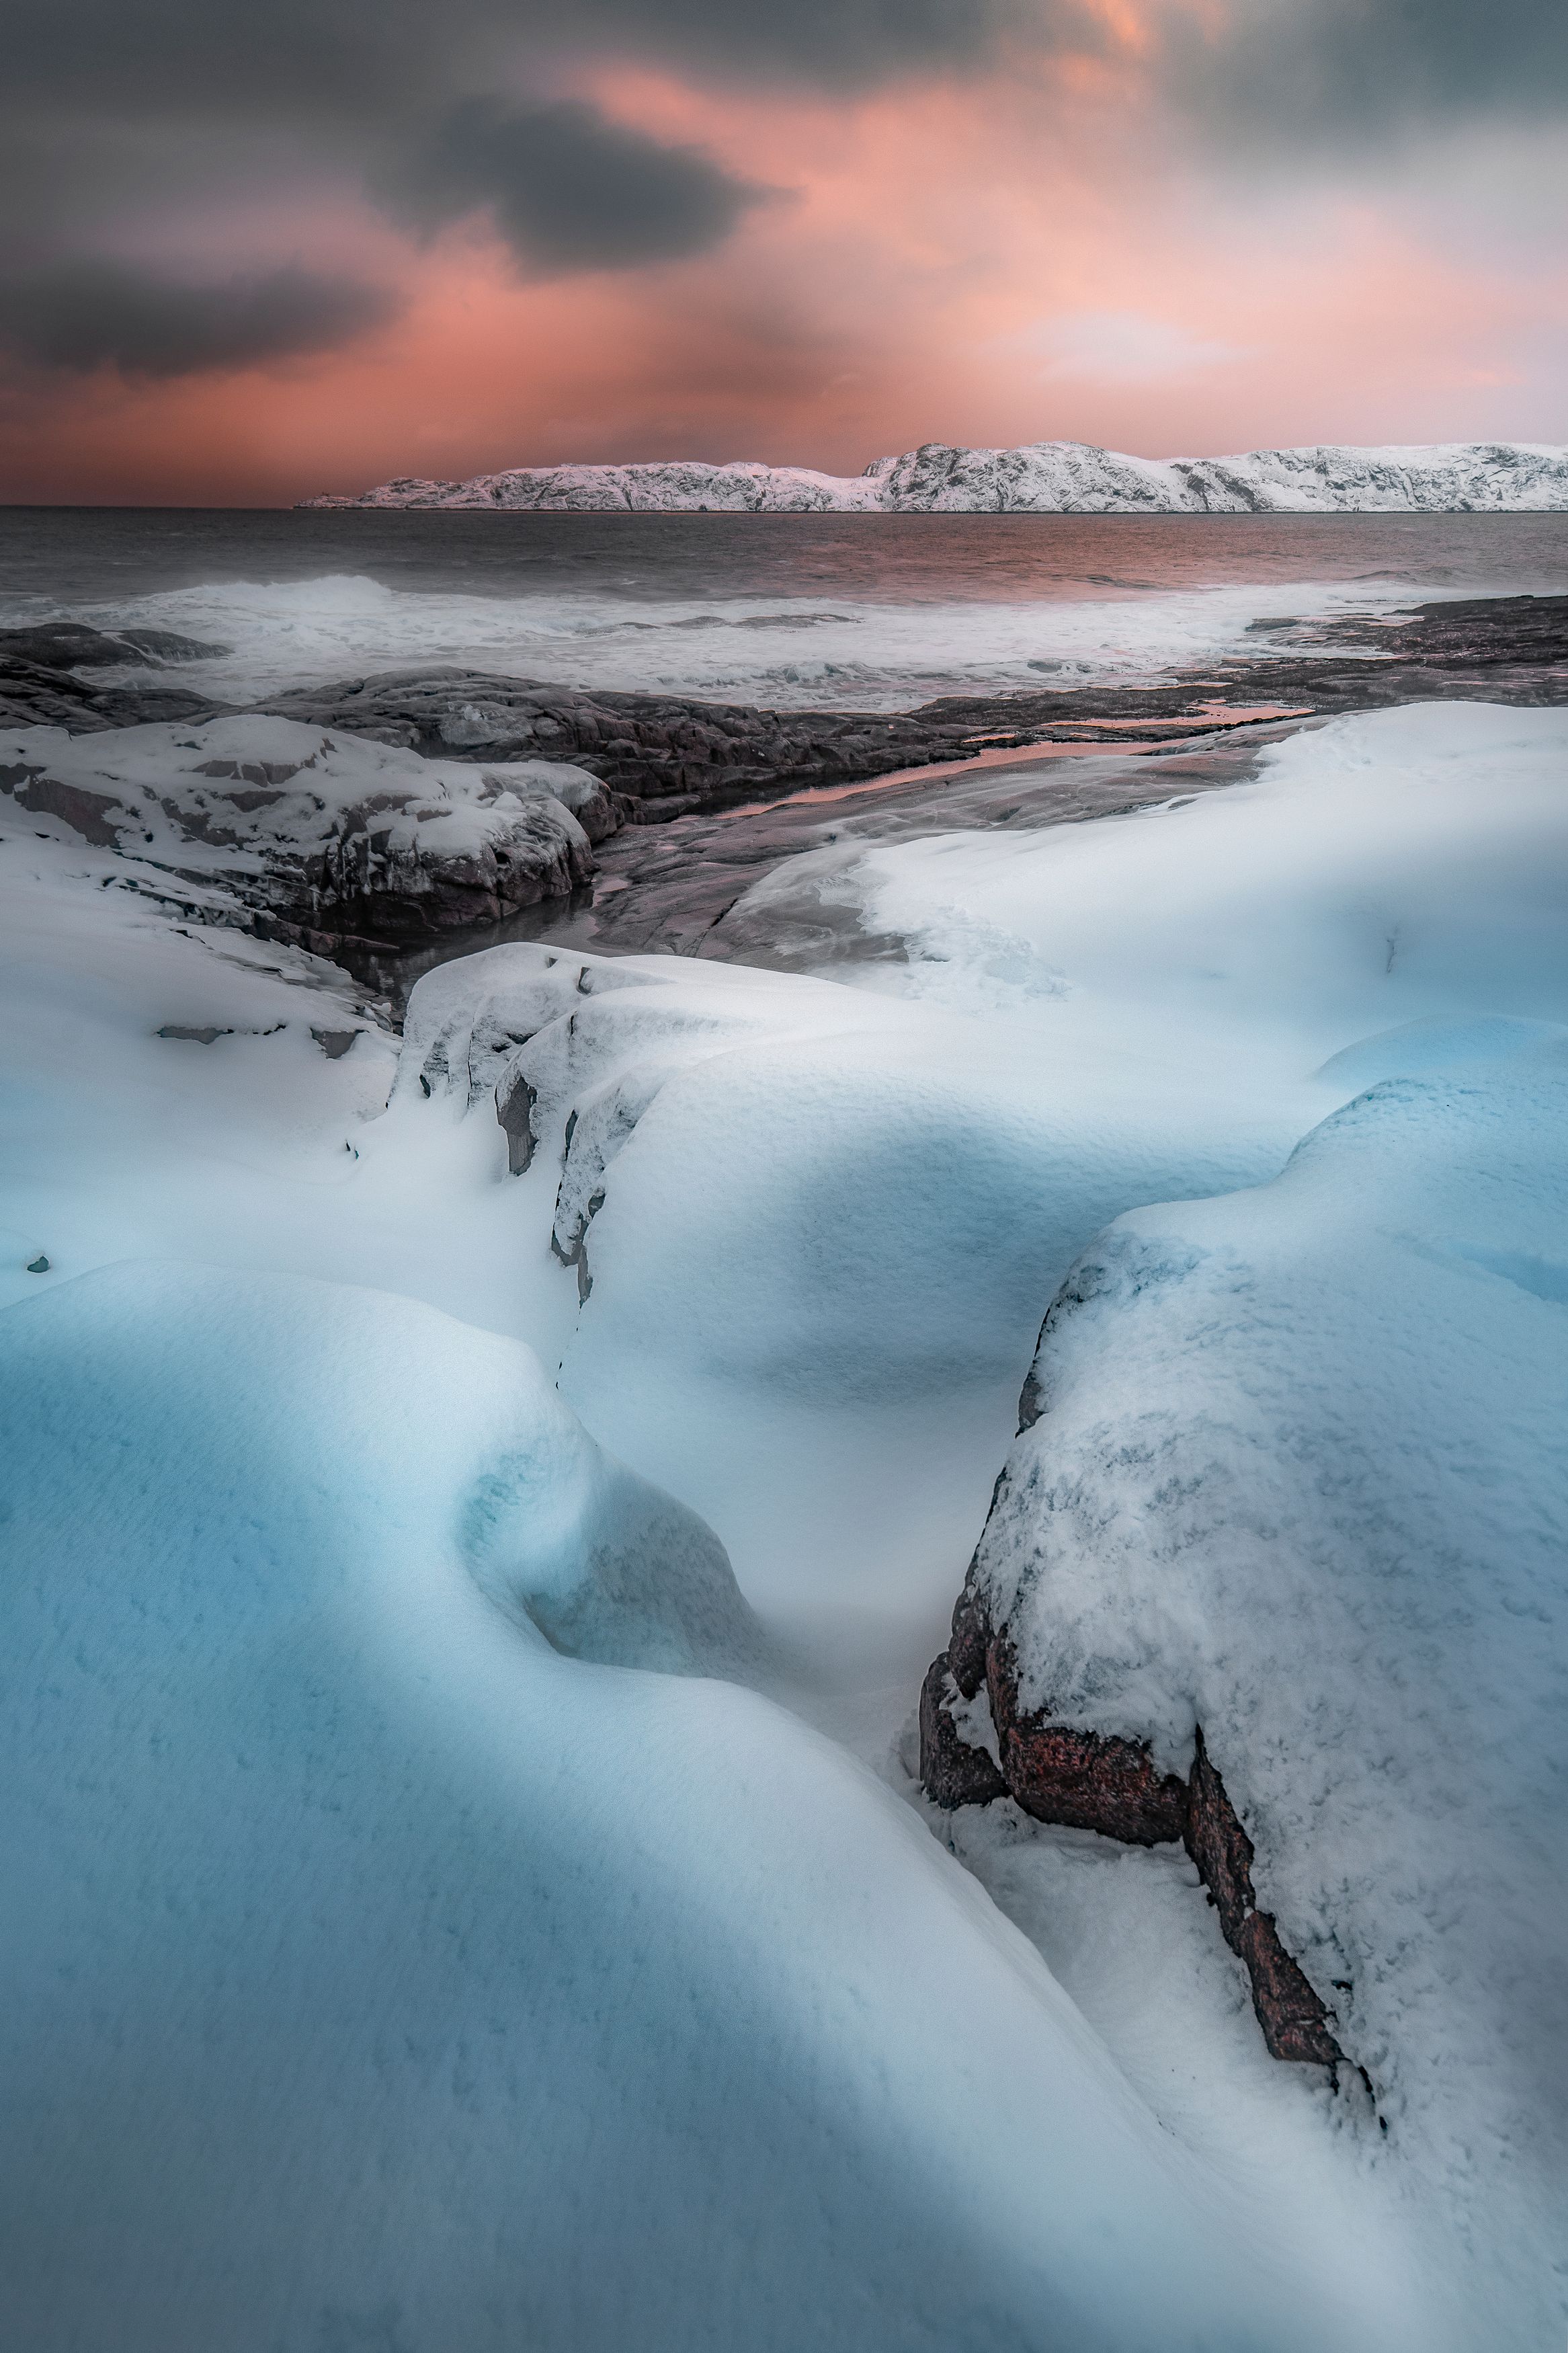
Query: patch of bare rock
{"points": [[1092, 1781]]}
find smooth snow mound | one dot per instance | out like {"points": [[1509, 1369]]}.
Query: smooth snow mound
{"points": [[1042, 478], [377, 1974], [816, 1226]]}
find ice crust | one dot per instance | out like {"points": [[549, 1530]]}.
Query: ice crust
{"points": [[441, 1924], [1042, 478]]}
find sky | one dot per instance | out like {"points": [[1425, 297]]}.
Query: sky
{"points": [[254, 252]]}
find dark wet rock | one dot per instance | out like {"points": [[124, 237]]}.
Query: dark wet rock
{"points": [[666, 753], [36, 694], [661, 756], [671, 754], [515, 1100], [70, 645], [335, 1043]]}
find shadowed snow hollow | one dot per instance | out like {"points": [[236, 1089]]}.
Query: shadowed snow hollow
{"points": [[380, 1975]]}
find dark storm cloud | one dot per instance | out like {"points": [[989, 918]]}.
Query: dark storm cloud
{"points": [[355, 55], [570, 190], [122, 119], [82, 315], [1328, 69], [119, 111]]}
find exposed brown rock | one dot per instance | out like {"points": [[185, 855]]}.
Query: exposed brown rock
{"points": [[1294, 2020], [1086, 1779], [971, 1633], [1098, 1781], [953, 1773]]}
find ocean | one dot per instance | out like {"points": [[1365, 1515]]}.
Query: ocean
{"points": [[877, 612]]}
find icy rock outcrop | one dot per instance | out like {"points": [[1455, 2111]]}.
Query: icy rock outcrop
{"points": [[1280, 1548], [326, 834], [574, 1047], [1103, 1782], [672, 753], [1042, 478]]}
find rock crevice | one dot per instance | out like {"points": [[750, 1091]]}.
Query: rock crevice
{"points": [[1105, 1782]]}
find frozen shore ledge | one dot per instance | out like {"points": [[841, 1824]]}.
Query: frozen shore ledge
{"points": [[1043, 477]]}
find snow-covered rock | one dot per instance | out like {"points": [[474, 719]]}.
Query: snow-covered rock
{"points": [[1296, 1473], [1042, 478], [328, 832], [841, 1210], [813, 1226]]}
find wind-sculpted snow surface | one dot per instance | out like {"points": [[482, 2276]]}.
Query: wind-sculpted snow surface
{"points": [[379, 1974], [333, 833], [813, 1226], [841, 1209], [427, 1932], [1042, 478], [1300, 1478]]}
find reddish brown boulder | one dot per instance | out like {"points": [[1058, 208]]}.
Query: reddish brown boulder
{"points": [[1294, 2020], [1098, 1781], [952, 1772], [1090, 1781]]}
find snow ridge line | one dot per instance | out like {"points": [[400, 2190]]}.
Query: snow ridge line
{"points": [[1040, 477]]}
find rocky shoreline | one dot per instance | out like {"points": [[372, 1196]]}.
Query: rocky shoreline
{"points": [[652, 759]]}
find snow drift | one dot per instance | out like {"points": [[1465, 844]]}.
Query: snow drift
{"points": [[1043, 477], [428, 1933], [380, 1975]]}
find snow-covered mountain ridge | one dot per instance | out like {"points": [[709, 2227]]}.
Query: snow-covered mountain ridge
{"points": [[1043, 477]]}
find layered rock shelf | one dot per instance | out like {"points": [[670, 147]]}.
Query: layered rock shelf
{"points": [[317, 838]]}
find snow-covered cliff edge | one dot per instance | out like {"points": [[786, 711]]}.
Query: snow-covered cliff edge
{"points": [[1044, 478]]}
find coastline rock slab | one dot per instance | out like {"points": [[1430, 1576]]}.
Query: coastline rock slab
{"points": [[325, 836]]}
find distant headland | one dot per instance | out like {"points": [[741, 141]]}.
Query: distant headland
{"points": [[1042, 478]]}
